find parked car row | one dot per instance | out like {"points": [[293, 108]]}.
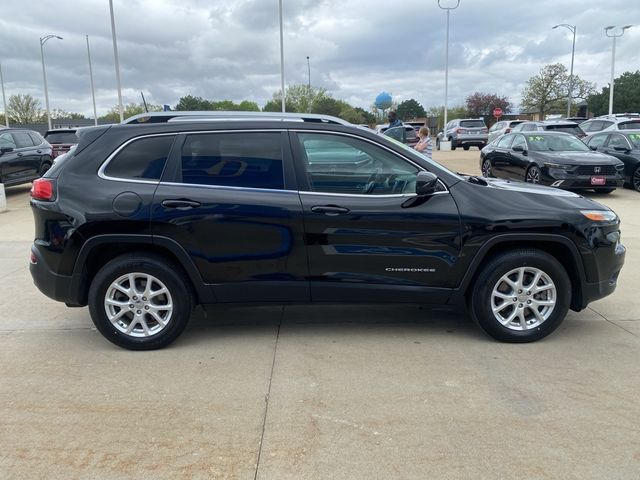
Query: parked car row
{"points": [[25, 155]]}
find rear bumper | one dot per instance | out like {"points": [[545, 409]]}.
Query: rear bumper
{"points": [[470, 139], [62, 288]]}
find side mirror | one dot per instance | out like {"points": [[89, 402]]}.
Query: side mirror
{"points": [[593, 147], [426, 183], [518, 148], [4, 150], [621, 149]]}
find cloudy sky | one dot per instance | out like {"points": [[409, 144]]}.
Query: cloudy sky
{"points": [[358, 48]]}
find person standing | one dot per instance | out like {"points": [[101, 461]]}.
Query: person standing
{"points": [[393, 120], [424, 144]]}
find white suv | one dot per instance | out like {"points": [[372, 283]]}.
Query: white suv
{"points": [[606, 123], [465, 133]]}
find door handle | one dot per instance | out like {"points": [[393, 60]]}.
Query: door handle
{"points": [[39, 151], [180, 204], [19, 154], [331, 210]]}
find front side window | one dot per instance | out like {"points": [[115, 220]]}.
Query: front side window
{"points": [[341, 164], [519, 141], [597, 140], [142, 159], [618, 141], [250, 160]]}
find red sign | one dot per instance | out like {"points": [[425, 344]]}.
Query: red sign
{"points": [[497, 112]]}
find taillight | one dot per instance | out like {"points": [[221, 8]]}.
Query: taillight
{"points": [[484, 130], [460, 130], [43, 189]]}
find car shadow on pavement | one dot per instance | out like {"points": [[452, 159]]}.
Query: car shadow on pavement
{"points": [[370, 319]]}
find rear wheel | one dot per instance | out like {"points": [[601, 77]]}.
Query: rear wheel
{"points": [[453, 144], [437, 144], [44, 167], [521, 296], [481, 146], [466, 147], [635, 179], [532, 175], [140, 302]]}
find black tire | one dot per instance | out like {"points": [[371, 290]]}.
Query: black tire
{"points": [[605, 190], [481, 146], [532, 173], [486, 169], [437, 144], [481, 295], [454, 145], [465, 147], [44, 167], [635, 179], [167, 275]]}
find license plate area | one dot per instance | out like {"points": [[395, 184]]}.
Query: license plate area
{"points": [[598, 180]]}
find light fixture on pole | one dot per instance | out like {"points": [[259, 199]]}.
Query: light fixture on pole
{"points": [[281, 57], [93, 92], [446, 58], [608, 32], [4, 99], [44, 40], [572, 29], [115, 55]]}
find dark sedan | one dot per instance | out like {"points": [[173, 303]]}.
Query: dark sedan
{"points": [[551, 158], [24, 156], [625, 146]]}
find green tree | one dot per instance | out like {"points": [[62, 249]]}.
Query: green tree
{"points": [[192, 104], [626, 95], [452, 112], [481, 104], [58, 113], [24, 109], [368, 117], [247, 106], [547, 92], [130, 110], [327, 105], [410, 109]]}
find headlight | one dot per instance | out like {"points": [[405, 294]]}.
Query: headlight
{"points": [[600, 215], [561, 166], [620, 166]]}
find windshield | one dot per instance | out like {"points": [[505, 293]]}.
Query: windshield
{"points": [[556, 143], [635, 139], [573, 129], [61, 137], [472, 123]]}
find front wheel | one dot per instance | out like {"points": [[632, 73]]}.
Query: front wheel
{"points": [[466, 147], [532, 175], [635, 179], [521, 296], [453, 144], [44, 168], [140, 301], [486, 169], [437, 144]]}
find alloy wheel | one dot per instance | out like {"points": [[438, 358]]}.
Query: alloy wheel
{"points": [[138, 304], [486, 168], [533, 175], [523, 298], [636, 179]]}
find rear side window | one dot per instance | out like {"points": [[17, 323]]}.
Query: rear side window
{"points": [[472, 124], [22, 139], [7, 141], [141, 159], [62, 137], [36, 138], [597, 140], [251, 160]]}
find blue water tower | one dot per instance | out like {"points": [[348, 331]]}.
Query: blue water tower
{"points": [[383, 101]]}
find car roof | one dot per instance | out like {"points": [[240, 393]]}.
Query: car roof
{"points": [[61, 130], [543, 132], [219, 115]]}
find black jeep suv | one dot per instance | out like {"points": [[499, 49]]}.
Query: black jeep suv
{"points": [[144, 221]]}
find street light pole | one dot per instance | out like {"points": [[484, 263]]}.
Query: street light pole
{"points": [[446, 59], [608, 32], [572, 29], [309, 85], [281, 57], [115, 54], [93, 92], [44, 40], [4, 99]]}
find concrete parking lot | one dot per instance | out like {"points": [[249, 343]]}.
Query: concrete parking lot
{"points": [[318, 392]]}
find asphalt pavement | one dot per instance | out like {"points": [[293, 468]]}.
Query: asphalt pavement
{"points": [[321, 392]]}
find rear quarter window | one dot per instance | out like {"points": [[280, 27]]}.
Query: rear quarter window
{"points": [[142, 159]]}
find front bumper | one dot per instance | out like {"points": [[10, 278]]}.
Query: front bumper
{"points": [[567, 179]]}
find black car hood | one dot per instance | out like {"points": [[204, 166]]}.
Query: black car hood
{"points": [[575, 158]]}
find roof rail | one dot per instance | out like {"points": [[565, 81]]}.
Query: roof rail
{"points": [[186, 116]]}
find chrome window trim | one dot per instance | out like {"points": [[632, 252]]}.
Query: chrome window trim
{"points": [[105, 164], [344, 134], [228, 187]]}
